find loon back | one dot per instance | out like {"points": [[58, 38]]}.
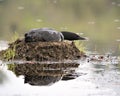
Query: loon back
{"points": [[43, 35]]}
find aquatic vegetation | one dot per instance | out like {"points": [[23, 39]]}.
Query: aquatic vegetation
{"points": [[11, 67], [9, 54], [80, 46], [14, 37]]}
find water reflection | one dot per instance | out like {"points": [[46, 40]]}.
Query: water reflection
{"points": [[3, 77], [44, 74], [92, 79], [41, 80]]}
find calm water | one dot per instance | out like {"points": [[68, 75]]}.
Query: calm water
{"points": [[96, 78], [99, 20]]}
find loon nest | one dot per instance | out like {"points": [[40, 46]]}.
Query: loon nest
{"points": [[44, 51]]}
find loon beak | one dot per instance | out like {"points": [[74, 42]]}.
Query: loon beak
{"points": [[84, 38]]}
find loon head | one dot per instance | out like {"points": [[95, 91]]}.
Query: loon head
{"points": [[71, 36]]}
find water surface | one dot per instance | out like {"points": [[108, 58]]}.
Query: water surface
{"points": [[96, 78]]}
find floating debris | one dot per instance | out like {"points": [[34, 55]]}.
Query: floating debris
{"points": [[98, 58]]}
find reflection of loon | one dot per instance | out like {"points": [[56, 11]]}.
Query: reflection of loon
{"points": [[41, 80], [48, 34], [48, 80]]}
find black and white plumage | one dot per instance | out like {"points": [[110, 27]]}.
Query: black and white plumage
{"points": [[49, 34]]}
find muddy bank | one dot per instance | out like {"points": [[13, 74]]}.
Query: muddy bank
{"points": [[43, 51]]}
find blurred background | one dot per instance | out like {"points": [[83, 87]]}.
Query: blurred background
{"points": [[99, 20]]}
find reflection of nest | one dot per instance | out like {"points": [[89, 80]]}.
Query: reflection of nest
{"points": [[43, 74], [43, 69]]}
